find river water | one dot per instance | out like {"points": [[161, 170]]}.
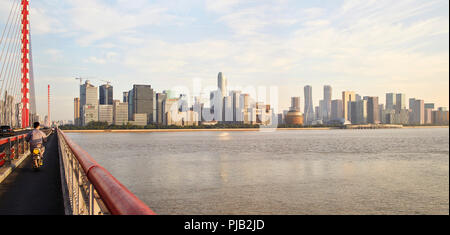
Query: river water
{"points": [[386, 171]]}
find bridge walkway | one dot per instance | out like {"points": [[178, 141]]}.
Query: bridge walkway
{"points": [[29, 192]]}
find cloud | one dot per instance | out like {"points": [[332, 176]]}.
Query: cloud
{"points": [[96, 20], [55, 54], [95, 60], [220, 6]]}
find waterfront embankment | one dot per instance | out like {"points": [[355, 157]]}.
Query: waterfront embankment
{"points": [[240, 129]]}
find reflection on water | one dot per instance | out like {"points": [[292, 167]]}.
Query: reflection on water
{"points": [[402, 171]]}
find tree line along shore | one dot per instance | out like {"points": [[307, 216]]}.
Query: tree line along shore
{"points": [[106, 126]]}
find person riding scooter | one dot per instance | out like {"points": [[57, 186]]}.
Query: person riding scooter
{"points": [[37, 138]]}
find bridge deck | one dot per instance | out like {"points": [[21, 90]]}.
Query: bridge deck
{"points": [[26, 192]]}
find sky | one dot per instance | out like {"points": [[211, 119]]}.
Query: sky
{"points": [[372, 47]]}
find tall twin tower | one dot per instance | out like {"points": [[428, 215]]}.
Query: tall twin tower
{"points": [[222, 84], [323, 111]]}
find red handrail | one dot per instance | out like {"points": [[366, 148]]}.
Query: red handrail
{"points": [[12, 149], [2, 159], [118, 199]]}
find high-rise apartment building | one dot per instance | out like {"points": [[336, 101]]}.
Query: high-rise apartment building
{"points": [[401, 102], [391, 101], [140, 100], [412, 102], [237, 111], [120, 113], [347, 97], [245, 106], [418, 112], [198, 108], [88, 99], [428, 116], [169, 106], [228, 109], [372, 110], [309, 107], [327, 96], [358, 112], [88, 94], [441, 116], [160, 97], [337, 110], [106, 94], [381, 116], [216, 105]]}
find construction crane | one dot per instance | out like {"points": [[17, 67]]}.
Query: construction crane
{"points": [[81, 80], [90, 78]]}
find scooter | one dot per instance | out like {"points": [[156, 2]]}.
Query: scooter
{"points": [[37, 159]]}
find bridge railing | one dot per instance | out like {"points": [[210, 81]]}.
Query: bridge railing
{"points": [[91, 189], [12, 148]]}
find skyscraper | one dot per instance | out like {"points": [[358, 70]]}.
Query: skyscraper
{"points": [[237, 112], [88, 94], [391, 101], [295, 104], [309, 107], [382, 113], [327, 96], [336, 110], [245, 105], [170, 106], [347, 96], [106, 95], [88, 103], [228, 109], [372, 110], [358, 112], [418, 112], [160, 97], [216, 105], [141, 101], [120, 113], [412, 102], [401, 102], [222, 84]]}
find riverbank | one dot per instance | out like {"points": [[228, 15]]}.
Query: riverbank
{"points": [[425, 126], [222, 129], [189, 130]]}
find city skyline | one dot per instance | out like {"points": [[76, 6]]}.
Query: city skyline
{"points": [[168, 43], [225, 105]]}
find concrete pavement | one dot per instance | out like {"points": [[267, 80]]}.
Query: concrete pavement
{"points": [[29, 192]]}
